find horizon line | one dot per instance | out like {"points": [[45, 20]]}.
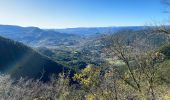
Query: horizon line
{"points": [[74, 27]]}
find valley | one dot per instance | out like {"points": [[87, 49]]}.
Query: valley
{"points": [[84, 50], [82, 60]]}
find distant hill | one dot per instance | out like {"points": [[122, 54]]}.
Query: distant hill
{"points": [[97, 30], [21, 61], [70, 37], [34, 36], [143, 40]]}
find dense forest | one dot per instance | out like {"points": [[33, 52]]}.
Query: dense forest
{"points": [[19, 60]]}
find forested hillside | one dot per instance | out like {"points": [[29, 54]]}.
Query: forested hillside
{"points": [[19, 60]]}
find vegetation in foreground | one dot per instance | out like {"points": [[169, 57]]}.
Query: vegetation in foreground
{"points": [[146, 77]]}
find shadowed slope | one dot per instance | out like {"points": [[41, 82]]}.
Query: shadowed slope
{"points": [[21, 61]]}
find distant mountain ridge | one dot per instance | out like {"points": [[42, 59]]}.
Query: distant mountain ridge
{"points": [[96, 30], [70, 37], [35, 36]]}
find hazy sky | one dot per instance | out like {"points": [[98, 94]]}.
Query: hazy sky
{"points": [[80, 13]]}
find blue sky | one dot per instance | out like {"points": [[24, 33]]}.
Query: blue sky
{"points": [[80, 13]]}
